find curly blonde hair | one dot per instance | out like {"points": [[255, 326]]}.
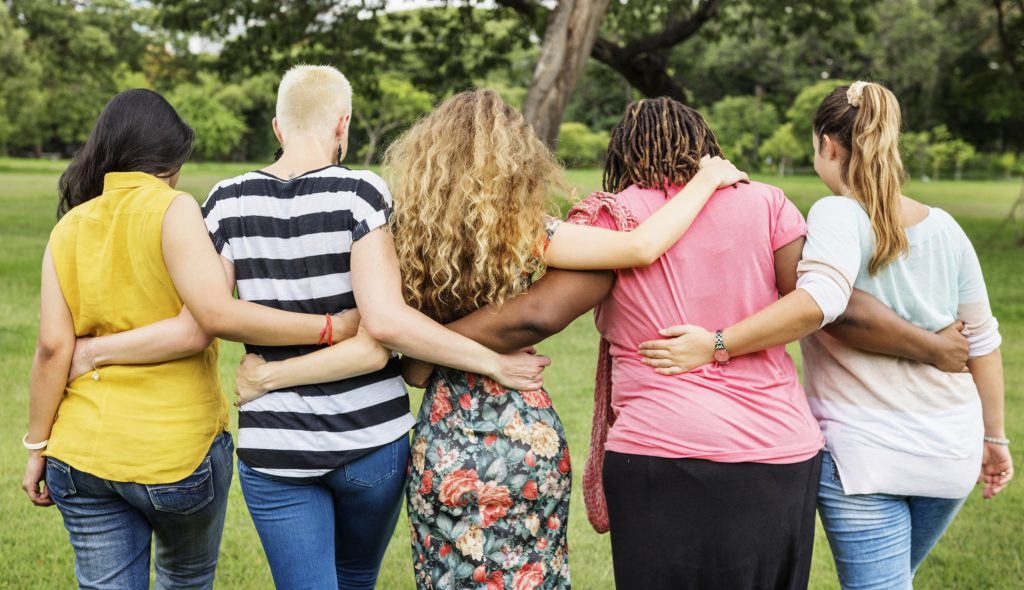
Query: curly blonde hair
{"points": [[470, 183]]}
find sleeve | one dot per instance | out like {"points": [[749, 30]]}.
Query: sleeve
{"points": [[980, 327], [371, 206], [788, 224], [214, 214], [832, 255]]}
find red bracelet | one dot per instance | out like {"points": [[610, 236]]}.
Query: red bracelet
{"points": [[328, 331]]}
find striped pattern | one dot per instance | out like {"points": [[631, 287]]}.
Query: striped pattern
{"points": [[290, 243]]}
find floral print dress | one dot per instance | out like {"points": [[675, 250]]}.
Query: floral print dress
{"points": [[488, 491]]}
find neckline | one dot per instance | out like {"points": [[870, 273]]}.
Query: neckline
{"points": [[307, 173]]}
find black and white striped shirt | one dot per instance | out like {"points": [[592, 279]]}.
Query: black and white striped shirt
{"points": [[290, 243]]}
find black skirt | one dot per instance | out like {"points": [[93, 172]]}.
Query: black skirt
{"points": [[690, 523]]}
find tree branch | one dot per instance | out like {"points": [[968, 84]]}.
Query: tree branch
{"points": [[1004, 39]]}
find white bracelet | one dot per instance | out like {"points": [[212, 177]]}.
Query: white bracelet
{"points": [[33, 446], [995, 440]]}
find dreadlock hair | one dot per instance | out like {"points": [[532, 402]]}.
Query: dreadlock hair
{"points": [[658, 143]]}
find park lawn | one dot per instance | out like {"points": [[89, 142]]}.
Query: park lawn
{"points": [[981, 549]]}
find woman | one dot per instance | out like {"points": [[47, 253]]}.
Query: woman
{"points": [[904, 440], [489, 486], [153, 458], [131, 452]]}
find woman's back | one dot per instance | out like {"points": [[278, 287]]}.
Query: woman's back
{"points": [[886, 417], [721, 271], [142, 423]]}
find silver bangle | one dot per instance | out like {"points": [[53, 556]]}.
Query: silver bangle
{"points": [[995, 440], [33, 446]]}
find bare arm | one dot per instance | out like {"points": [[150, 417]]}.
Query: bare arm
{"points": [[792, 317], [197, 272], [997, 463], [550, 304], [870, 325], [354, 356], [54, 348], [587, 248], [377, 284]]}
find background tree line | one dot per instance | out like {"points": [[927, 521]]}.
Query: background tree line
{"points": [[757, 69]]}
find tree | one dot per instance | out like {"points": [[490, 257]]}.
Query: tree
{"points": [[20, 82], [800, 114], [962, 153], [783, 147], [579, 146], [568, 39], [741, 123], [1008, 163], [914, 150], [940, 150], [395, 103], [218, 130]]}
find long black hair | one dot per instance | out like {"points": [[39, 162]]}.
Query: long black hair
{"points": [[138, 131]]}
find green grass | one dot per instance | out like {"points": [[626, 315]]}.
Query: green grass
{"points": [[981, 549]]}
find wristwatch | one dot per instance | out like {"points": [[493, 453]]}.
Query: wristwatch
{"points": [[721, 354]]}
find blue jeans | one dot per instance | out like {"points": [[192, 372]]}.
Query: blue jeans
{"points": [[111, 524], [879, 540], [329, 531]]}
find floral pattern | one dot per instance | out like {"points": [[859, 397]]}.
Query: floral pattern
{"points": [[488, 491]]}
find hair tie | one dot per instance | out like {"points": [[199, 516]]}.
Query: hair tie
{"points": [[855, 93]]}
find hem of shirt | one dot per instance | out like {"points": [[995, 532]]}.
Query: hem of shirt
{"points": [[176, 474], [771, 456], [789, 237], [907, 471]]}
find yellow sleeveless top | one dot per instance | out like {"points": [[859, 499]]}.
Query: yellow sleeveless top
{"points": [[146, 424]]}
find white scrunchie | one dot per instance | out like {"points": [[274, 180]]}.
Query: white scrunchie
{"points": [[855, 93]]}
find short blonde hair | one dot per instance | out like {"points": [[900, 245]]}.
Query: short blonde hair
{"points": [[310, 99]]}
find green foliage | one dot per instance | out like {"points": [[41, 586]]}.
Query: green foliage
{"points": [[914, 150], [218, 129], [801, 113], [579, 147], [741, 123], [396, 103], [783, 147]]}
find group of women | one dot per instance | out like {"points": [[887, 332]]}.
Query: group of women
{"points": [[707, 460]]}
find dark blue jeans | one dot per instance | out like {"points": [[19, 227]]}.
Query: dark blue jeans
{"points": [[329, 531], [111, 524]]}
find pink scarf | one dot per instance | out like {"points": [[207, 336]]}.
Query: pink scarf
{"points": [[585, 213]]}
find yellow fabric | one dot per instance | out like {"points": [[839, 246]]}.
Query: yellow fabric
{"points": [[138, 423]]}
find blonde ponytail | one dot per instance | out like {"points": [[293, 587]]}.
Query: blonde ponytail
{"points": [[864, 119]]}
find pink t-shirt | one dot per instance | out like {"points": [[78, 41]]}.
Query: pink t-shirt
{"points": [[721, 271]]}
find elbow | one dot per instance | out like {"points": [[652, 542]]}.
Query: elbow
{"points": [[377, 358], [50, 348], [544, 324], [382, 330], [643, 253], [194, 341]]}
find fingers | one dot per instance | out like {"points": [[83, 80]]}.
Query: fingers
{"points": [[670, 371], [656, 345], [676, 331], [543, 360], [660, 363], [656, 353]]}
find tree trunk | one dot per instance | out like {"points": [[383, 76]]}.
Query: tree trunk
{"points": [[568, 40], [371, 146]]}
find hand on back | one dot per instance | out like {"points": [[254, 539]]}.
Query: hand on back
{"points": [[952, 350], [722, 170]]}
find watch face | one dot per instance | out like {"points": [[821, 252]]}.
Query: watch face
{"points": [[721, 356]]}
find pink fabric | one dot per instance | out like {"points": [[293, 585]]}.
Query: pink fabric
{"points": [[586, 212], [721, 271]]}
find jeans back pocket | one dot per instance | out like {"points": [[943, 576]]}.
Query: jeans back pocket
{"points": [[187, 496], [374, 468], [58, 479]]}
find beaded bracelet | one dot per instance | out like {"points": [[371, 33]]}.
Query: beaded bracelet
{"points": [[995, 440]]}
